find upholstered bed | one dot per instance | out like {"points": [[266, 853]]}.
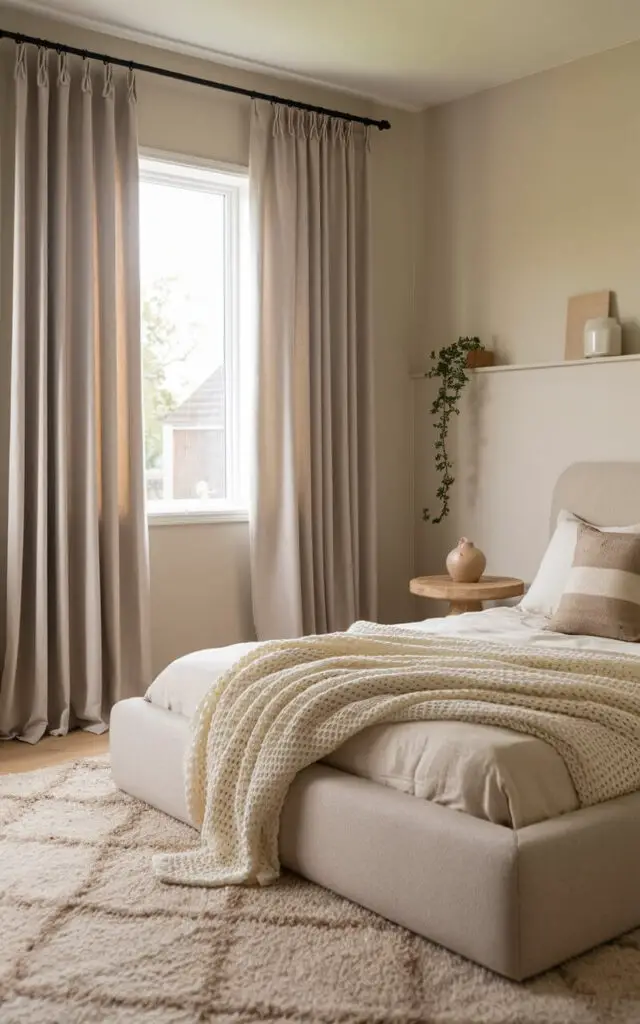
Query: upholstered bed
{"points": [[466, 834]]}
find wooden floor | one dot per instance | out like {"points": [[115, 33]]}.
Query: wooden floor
{"points": [[16, 756]]}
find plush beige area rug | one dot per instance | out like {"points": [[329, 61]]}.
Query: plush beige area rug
{"points": [[88, 935]]}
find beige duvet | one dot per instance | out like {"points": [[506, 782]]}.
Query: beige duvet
{"points": [[483, 770]]}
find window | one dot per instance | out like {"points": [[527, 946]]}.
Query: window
{"points": [[193, 230]]}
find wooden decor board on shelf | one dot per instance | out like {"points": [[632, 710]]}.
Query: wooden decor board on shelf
{"points": [[581, 308]]}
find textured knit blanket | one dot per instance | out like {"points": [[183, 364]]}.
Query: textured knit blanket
{"points": [[288, 703]]}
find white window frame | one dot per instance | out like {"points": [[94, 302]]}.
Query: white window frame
{"points": [[230, 181]]}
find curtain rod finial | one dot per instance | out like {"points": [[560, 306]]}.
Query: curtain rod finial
{"points": [[384, 126]]}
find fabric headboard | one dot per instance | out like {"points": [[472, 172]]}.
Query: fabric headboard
{"points": [[605, 493]]}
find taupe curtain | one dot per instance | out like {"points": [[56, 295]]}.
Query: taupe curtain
{"points": [[76, 616], [313, 506]]}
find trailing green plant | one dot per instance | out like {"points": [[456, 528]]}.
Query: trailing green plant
{"points": [[451, 369]]}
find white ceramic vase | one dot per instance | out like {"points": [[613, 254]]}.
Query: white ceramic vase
{"points": [[466, 563], [602, 337]]}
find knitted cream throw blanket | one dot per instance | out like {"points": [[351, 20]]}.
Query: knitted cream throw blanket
{"points": [[289, 703]]}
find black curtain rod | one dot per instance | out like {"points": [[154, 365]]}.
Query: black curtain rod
{"points": [[150, 69]]}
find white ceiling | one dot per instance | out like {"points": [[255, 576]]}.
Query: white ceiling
{"points": [[409, 53]]}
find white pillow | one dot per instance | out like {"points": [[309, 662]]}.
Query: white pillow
{"points": [[543, 596]]}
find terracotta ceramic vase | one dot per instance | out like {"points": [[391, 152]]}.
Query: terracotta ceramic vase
{"points": [[466, 563]]}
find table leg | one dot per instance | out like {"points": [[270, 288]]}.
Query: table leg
{"points": [[458, 607]]}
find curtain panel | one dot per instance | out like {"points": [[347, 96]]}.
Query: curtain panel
{"points": [[313, 506], [76, 636]]}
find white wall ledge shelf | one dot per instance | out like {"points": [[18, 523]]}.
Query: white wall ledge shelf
{"points": [[510, 367]]}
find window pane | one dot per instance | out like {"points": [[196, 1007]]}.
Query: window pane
{"points": [[183, 324]]}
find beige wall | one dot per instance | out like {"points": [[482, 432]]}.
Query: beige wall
{"points": [[199, 574], [200, 589], [534, 195]]}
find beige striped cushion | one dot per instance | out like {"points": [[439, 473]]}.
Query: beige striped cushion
{"points": [[602, 593]]}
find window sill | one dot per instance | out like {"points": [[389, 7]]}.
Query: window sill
{"points": [[197, 518]]}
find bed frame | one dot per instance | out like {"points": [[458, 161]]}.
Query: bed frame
{"points": [[517, 901]]}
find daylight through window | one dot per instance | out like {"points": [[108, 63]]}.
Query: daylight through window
{"points": [[192, 254]]}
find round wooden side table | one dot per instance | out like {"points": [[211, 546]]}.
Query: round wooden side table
{"points": [[467, 597]]}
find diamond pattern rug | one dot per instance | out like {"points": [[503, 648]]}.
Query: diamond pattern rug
{"points": [[88, 935]]}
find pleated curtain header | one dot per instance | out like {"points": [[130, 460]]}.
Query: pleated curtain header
{"points": [[63, 72], [307, 124]]}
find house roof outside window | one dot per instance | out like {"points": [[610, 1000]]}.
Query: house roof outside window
{"points": [[204, 407]]}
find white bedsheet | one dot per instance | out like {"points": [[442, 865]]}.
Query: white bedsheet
{"points": [[503, 776]]}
